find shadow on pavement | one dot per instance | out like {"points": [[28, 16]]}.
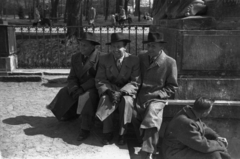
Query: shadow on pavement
{"points": [[51, 127], [55, 82]]}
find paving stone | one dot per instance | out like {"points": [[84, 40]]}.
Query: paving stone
{"points": [[29, 131]]}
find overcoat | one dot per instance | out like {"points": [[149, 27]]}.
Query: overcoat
{"points": [[159, 81], [126, 79], [187, 137], [81, 75]]}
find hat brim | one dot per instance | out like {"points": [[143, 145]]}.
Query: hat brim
{"points": [[161, 41], [94, 42], [124, 40]]}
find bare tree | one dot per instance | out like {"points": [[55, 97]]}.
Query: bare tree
{"points": [[119, 3], [3, 4], [137, 9], [74, 19], [106, 7], [54, 11]]}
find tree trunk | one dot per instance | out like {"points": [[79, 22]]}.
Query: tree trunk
{"points": [[137, 10], [54, 11], [126, 6], [119, 3], [66, 11], [74, 20], [106, 9]]}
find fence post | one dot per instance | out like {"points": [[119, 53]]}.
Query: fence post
{"points": [[8, 58]]}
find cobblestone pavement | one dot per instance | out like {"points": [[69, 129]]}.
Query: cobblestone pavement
{"points": [[28, 130]]}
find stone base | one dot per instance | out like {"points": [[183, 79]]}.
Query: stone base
{"points": [[8, 63]]}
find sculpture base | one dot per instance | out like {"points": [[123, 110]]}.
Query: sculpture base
{"points": [[8, 63]]}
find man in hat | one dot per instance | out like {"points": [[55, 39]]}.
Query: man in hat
{"points": [[92, 16], [117, 81], [159, 82], [80, 96], [188, 137]]}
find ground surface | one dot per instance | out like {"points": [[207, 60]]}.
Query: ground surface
{"points": [[28, 130]]}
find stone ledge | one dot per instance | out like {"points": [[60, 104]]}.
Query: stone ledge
{"points": [[221, 110], [20, 78]]}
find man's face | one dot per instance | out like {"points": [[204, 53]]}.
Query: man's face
{"points": [[154, 48], [207, 112], [118, 49], [86, 47]]}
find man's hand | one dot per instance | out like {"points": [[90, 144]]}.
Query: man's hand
{"points": [[77, 93], [117, 96], [114, 96], [223, 140]]}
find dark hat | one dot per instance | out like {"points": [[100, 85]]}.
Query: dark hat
{"points": [[154, 37], [88, 36], [116, 37]]}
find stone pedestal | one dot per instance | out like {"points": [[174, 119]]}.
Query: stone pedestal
{"points": [[207, 58], [8, 63]]}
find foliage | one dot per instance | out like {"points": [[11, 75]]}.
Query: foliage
{"points": [[20, 12], [52, 53]]}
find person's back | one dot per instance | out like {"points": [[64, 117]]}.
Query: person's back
{"points": [[187, 137]]}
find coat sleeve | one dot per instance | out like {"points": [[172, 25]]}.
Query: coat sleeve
{"points": [[72, 79], [171, 83], [101, 80], [188, 133], [90, 83], [209, 133], [132, 86]]}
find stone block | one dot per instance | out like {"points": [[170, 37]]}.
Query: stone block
{"points": [[203, 52], [216, 88], [188, 23], [8, 63]]}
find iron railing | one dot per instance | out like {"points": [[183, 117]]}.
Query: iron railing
{"points": [[45, 47]]}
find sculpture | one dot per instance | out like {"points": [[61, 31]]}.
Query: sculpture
{"points": [[171, 9]]}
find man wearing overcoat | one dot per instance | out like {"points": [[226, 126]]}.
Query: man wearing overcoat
{"points": [[80, 96], [117, 80], [159, 82], [187, 137]]}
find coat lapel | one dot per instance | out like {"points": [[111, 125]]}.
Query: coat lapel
{"points": [[92, 61], [125, 63], [159, 61]]}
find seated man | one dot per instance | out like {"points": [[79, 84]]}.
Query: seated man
{"points": [[159, 82], [187, 137], [117, 81], [80, 93]]}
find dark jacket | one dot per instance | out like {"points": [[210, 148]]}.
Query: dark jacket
{"points": [[81, 75], [187, 137], [109, 77], [160, 80]]}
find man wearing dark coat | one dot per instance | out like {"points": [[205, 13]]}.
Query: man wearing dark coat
{"points": [[187, 137], [80, 96], [159, 82], [117, 80]]}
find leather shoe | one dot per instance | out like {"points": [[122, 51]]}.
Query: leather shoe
{"points": [[107, 137], [121, 140], [83, 135], [146, 155]]}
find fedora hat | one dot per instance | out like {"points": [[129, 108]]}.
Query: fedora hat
{"points": [[88, 36], [154, 37], [116, 37]]}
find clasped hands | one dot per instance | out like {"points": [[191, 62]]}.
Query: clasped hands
{"points": [[115, 96], [223, 140], [76, 93]]}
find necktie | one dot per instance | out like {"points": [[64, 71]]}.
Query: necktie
{"points": [[119, 64]]}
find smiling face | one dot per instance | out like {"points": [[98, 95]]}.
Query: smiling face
{"points": [[118, 49], [154, 48], [86, 47]]}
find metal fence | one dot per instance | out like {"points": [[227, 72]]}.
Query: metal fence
{"points": [[45, 47]]}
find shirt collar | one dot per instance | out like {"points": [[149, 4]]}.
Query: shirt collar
{"points": [[153, 58], [121, 58]]}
